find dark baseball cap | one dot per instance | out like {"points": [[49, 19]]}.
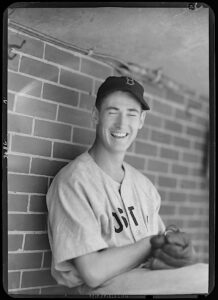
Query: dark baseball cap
{"points": [[122, 83]]}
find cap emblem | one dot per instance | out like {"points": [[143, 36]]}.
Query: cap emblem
{"points": [[130, 81]]}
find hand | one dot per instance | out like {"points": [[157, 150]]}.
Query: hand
{"points": [[172, 250]]}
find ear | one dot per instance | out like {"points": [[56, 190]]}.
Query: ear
{"points": [[95, 115], [142, 119]]}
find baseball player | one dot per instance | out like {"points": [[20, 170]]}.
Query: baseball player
{"points": [[104, 227]]}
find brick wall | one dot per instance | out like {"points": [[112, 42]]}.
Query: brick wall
{"points": [[50, 95]]}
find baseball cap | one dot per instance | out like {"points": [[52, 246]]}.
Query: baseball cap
{"points": [[122, 83]]}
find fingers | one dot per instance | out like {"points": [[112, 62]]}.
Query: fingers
{"points": [[178, 238], [170, 260], [177, 251], [157, 241], [157, 264]]}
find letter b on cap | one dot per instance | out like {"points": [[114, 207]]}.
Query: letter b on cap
{"points": [[130, 81]]}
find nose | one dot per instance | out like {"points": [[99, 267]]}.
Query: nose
{"points": [[120, 121]]}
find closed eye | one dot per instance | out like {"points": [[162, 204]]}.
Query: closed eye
{"points": [[112, 112]]}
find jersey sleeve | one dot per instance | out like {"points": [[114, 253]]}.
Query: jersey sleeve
{"points": [[75, 230]]}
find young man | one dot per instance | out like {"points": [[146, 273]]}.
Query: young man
{"points": [[104, 228]]}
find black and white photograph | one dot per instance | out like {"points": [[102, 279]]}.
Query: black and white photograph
{"points": [[107, 150]]}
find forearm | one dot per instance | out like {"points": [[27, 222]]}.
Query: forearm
{"points": [[97, 267]]}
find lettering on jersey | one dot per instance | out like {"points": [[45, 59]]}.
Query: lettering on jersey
{"points": [[124, 220]]}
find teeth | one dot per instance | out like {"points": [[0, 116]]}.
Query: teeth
{"points": [[119, 134]]}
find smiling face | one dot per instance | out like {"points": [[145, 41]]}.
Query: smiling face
{"points": [[118, 120]]}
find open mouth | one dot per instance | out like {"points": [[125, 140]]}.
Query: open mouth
{"points": [[119, 135]]}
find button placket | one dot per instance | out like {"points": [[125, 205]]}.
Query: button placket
{"points": [[135, 229]]}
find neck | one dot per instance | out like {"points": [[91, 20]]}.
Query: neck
{"points": [[110, 162]]}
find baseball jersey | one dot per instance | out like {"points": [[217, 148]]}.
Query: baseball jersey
{"points": [[88, 211]]}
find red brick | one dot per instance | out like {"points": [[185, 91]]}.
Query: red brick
{"points": [[36, 108], [197, 198], [169, 153], [199, 146], [204, 99], [152, 120], [196, 223], [163, 195], [37, 278], [46, 167], [201, 121], [47, 259], [136, 162], [61, 57], [31, 145], [177, 197], [182, 114], [38, 69], [143, 133], [52, 130], [18, 261], [167, 210], [18, 163], [157, 166], [175, 221], [160, 137], [37, 204], [162, 108], [31, 46], [187, 210], [15, 242], [95, 69], [188, 184], [203, 211], [83, 136], [194, 132], [87, 101], [97, 85], [194, 104], [60, 94], [27, 183], [9, 140], [17, 202], [193, 158], [27, 222], [74, 116], [173, 126], [50, 179], [24, 84], [180, 169], [13, 63], [154, 90], [74, 80], [150, 176], [13, 280], [67, 151], [175, 97], [11, 98], [145, 148], [21, 124], [36, 242], [165, 181], [203, 185], [131, 147], [181, 142]]}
